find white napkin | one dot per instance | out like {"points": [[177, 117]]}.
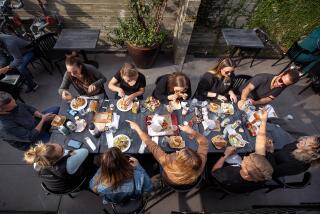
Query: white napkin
{"points": [[155, 139], [142, 147], [115, 120], [109, 137]]}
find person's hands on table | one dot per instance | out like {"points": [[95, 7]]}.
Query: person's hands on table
{"points": [[121, 92], [173, 97], [230, 150], [4, 70], [92, 88], [66, 95], [222, 98], [184, 96], [129, 99], [241, 104], [47, 117], [233, 97], [133, 161]]}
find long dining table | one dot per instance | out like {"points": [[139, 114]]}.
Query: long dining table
{"points": [[102, 143]]}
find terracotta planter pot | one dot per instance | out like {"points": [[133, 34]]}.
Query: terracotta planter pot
{"points": [[143, 57]]}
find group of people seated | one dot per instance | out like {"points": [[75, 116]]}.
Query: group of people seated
{"points": [[120, 177]]}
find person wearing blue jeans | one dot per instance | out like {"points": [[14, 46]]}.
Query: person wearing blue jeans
{"points": [[22, 54], [23, 125]]}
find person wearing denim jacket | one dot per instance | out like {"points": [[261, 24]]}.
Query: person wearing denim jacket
{"points": [[133, 187]]}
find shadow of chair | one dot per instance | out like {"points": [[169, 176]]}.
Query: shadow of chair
{"points": [[239, 82]]}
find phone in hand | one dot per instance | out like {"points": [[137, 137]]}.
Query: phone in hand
{"points": [[74, 144]]}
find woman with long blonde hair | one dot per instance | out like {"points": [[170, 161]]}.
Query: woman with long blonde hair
{"points": [[120, 177], [60, 169], [217, 82]]}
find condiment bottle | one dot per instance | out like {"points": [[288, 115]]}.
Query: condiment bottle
{"points": [[94, 130]]}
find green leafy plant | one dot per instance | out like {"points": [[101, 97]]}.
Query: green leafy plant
{"points": [[142, 27]]}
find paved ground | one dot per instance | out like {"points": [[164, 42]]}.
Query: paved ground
{"points": [[20, 189]]}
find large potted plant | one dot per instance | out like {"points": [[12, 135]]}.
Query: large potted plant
{"points": [[141, 31]]}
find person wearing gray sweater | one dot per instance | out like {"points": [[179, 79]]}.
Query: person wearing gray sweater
{"points": [[86, 79]]}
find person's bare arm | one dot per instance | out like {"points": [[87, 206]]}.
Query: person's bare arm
{"points": [[113, 85], [263, 101], [219, 164], [261, 139], [245, 93]]}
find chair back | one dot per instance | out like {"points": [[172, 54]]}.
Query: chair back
{"points": [[183, 188], [267, 41], [45, 43], [72, 190], [296, 185], [239, 82], [130, 206]]}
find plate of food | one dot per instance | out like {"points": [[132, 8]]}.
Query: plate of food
{"points": [[78, 103], [176, 142], [227, 108], [219, 142], [237, 141], [151, 103], [213, 107], [122, 142], [122, 106], [58, 120]]}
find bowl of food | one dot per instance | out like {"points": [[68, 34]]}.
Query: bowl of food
{"points": [[176, 142], [227, 108], [122, 142], [213, 107], [219, 142], [78, 103], [123, 106], [58, 120]]}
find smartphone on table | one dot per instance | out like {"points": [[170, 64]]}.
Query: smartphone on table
{"points": [[74, 144]]}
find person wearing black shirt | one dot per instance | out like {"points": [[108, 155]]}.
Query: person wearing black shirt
{"points": [[263, 88], [128, 81], [254, 171], [217, 82], [297, 157], [175, 86]]}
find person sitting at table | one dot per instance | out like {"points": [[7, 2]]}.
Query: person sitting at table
{"points": [[128, 81], [254, 170], [22, 125], [217, 82], [22, 53], [86, 79], [120, 177], [263, 88], [296, 157], [182, 167], [172, 87], [60, 169]]}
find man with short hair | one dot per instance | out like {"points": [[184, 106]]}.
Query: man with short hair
{"points": [[23, 123], [263, 88], [22, 54]]}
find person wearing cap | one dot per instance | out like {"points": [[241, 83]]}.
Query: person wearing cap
{"points": [[263, 88], [253, 171]]}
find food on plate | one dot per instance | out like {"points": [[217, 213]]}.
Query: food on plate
{"points": [[165, 124], [151, 103], [227, 108], [176, 142], [103, 117], [213, 107], [93, 106], [58, 120], [122, 104], [175, 104], [135, 107], [236, 140], [78, 102], [219, 142], [122, 142]]}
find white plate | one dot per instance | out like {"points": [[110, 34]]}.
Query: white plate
{"points": [[124, 110], [81, 125], [80, 107], [121, 135]]}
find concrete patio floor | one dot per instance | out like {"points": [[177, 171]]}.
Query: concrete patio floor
{"points": [[20, 190]]}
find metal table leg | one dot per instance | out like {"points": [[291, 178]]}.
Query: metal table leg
{"points": [[254, 56]]}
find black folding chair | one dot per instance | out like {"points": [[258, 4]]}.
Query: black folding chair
{"points": [[131, 206], [68, 192]]}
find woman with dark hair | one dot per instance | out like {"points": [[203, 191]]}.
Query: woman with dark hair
{"points": [[120, 177], [217, 82], [128, 81], [86, 79], [60, 169], [175, 86]]}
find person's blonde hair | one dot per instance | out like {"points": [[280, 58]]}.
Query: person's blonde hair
{"points": [[310, 153], [222, 63], [258, 167], [128, 70], [42, 155], [190, 162]]}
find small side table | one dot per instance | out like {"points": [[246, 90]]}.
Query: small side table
{"points": [[242, 40]]}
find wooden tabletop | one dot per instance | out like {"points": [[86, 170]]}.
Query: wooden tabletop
{"points": [[241, 38], [77, 39]]}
